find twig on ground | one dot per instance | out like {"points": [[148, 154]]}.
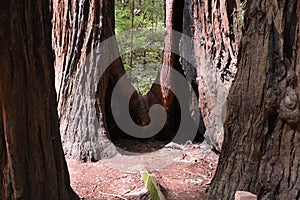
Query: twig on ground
{"points": [[93, 190], [113, 195], [128, 191]]}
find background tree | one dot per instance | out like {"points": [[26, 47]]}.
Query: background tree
{"points": [[131, 36], [148, 32], [32, 161], [211, 64], [172, 61], [261, 146]]}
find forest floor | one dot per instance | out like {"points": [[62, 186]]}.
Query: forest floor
{"points": [[184, 173]]}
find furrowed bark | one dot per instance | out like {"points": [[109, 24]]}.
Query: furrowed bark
{"points": [[261, 146], [32, 161]]}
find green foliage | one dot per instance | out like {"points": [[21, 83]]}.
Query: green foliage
{"points": [[143, 77], [236, 27], [243, 5], [147, 13], [146, 37], [241, 12], [153, 187]]}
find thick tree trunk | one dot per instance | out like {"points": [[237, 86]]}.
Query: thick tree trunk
{"points": [[78, 29], [261, 147], [84, 98], [212, 62], [32, 161]]}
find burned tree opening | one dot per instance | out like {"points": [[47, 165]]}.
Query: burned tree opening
{"points": [[82, 135], [100, 109]]}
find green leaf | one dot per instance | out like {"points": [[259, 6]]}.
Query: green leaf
{"points": [[153, 187]]}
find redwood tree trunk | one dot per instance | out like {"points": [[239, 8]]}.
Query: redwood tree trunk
{"points": [[211, 66], [262, 140], [165, 96], [173, 21], [84, 94], [31, 158], [78, 29]]}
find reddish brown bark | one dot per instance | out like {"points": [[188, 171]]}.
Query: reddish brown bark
{"points": [[261, 146], [212, 61], [78, 29], [170, 62], [76, 32], [32, 161], [173, 22]]}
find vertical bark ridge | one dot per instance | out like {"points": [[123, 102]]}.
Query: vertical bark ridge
{"points": [[215, 42], [75, 36], [32, 161], [266, 88]]}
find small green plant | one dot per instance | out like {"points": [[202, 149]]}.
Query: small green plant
{"points": [[241, 13], [238, 14], [153, 186]]}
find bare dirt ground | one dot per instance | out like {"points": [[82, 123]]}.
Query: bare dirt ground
{"points": [[183, 174]]}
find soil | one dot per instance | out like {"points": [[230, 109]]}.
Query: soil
{"points": [[184, 172]]}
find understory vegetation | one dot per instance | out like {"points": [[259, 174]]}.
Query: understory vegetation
{"points": [[140, 34]]}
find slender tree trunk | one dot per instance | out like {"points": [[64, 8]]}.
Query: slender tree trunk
{"points": [[171, 61], [32, 161], [261, 146], [131, 32]]}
